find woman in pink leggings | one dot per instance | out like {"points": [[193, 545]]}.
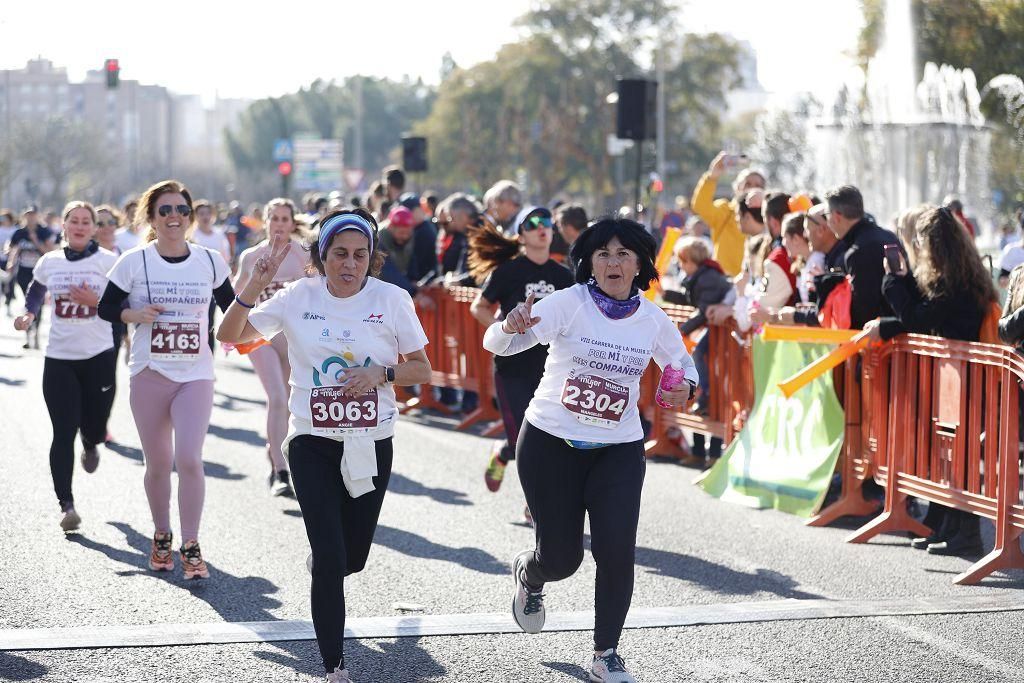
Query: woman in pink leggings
{"points": [[270, 358], [163, 288]]}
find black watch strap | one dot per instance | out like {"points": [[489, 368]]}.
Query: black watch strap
{"points": [[389, 374]]}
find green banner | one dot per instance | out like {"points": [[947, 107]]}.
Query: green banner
{"points": [[786, 453]]}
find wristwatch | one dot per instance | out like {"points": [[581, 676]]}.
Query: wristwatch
{"points": [[693, 389], [389, 374]]}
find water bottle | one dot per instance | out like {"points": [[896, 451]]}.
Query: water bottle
{"points": [[671, 378]]}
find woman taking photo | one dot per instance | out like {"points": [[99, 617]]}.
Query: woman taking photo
{"points": [[351, 339], [79, 369], [581, 448], [945, 292], [270, 358], [512, 269], [168, 283]]}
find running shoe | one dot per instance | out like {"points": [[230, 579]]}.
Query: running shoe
{"points": [[528, 516], [339, 675], [90, 459], [70, 521], [281, 484], [495, 469], [160, 557], [527, 604], [608, 667], [192, 564]]}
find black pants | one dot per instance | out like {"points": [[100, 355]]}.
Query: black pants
{"points": [[339, 527], [79, 395], [562, 484], [515, 389]]}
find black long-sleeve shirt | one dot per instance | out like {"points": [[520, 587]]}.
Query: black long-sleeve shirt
{"points": [[950, 317], [863, 263]]}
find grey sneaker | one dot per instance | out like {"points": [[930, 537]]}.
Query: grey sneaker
{"points": [[90, 459], [527, 605], [70, 520], [608, 667], [339, 675]]}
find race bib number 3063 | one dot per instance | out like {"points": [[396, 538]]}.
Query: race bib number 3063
{"points": [[70, 312], [333, 413], [595, 400], [174, 341]]}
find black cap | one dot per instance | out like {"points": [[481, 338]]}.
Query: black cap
{"points": [[410, 200]]}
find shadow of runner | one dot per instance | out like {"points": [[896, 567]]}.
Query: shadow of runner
{"points": [[405, 486], [214, 470], [253, 438], [17, 668], [574, 670], [12, 382], [415, 545], [127, 451], [229, 400]]}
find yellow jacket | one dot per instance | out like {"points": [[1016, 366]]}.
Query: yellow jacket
{"points": [[720, 215]]}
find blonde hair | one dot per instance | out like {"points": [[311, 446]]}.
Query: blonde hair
{"points": [[146, 209], [906, 230], [694, 249], [77, 204]]}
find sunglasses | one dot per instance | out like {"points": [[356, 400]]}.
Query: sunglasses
{"points": [[183, 210], [103, 224], [534, 222]]}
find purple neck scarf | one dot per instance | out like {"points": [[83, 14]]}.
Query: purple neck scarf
{"points": [[616, 309]]}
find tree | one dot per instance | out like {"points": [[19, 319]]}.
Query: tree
{"points": [[57, 153]]}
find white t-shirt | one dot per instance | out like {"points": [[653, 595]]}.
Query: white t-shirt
{"points": [[5, 237], [76, 331], [584, 342], [125, 239], [216, 240], [176, 344], [326, 334], [1012, 256]]}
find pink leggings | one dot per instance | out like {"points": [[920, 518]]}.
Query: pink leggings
{"points": [[161, 407], [271, 365]]}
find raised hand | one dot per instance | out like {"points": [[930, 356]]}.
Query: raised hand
{"points": [[84, 296], [265, 268], [520, 318]]}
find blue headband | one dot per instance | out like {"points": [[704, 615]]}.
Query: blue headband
{"points": [[336, 224]]}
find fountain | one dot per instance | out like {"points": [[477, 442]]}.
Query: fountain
{"points": [[905, 141]]}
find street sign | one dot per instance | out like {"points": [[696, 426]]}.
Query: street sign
{"points": [[283, 150], [318, 164], [354, 177]]}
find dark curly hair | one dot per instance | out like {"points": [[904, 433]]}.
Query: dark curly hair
{"points": [[316, 264], [631, 234]]}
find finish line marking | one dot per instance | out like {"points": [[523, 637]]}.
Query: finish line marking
{"points": [[162, 635]]}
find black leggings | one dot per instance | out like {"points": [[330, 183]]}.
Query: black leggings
{"points": [[515, 391], [339, 527], [563, 483], [76, 400]]}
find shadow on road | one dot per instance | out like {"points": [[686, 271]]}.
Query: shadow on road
{"points": [[253, 438], [415, 545], [574, 670], [18, 668], [12, 382], [127, 451], [214, 470], [400, 661], [229, 400], [408, 487]]}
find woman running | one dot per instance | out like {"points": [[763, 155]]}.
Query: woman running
{"points": [[581, 448], [351, 339], [27, 246], [270, 358], [168, 283], [79, 365], [514, 268]]}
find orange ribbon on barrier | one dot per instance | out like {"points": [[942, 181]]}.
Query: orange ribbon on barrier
{"points": [[807, 335], [824, 364]]}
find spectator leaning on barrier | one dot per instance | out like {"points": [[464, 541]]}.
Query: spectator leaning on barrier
{"points": [[778, 286], [424, 237], [946, 292], [721, 215], [456, 216], [501, 204], [1011, 324], [751, 223], [865, 242], [397, 242]]}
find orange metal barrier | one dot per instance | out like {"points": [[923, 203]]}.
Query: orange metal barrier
{"points": [[946, 423]]}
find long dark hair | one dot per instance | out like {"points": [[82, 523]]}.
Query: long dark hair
{"points": [[631, 234], [948, 264], [488, 249], [316, 263]]}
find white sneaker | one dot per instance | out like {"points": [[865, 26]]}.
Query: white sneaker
{"points": [[608, 667], [70, 521], [527, 605], [339, 676]]}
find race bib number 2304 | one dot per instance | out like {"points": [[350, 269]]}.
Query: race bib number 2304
{"points": [[595, 400]]}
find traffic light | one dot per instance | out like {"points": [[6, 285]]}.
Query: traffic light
{"points": [[285, 168], [113, 71]]}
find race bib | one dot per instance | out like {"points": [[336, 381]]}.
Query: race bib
{"points": [[595, 400], [175, 341], [334, 413], [70, 312]]}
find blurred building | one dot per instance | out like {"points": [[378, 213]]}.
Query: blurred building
{"points": [[146, 132], [750, 96]]}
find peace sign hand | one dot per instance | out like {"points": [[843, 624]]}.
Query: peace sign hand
{"points": [[266, 266], [520, 318]]}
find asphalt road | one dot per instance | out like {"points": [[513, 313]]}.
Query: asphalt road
{"points": [[445, 543]]}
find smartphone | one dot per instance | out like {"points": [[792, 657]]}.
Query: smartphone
{"points": [[735, 160], [894, 257]]}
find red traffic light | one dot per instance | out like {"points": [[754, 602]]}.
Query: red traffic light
{"points": [[112, 65], [284, 168]]}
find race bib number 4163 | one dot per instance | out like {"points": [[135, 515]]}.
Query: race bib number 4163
{"points": [[174, 341], [595, 400], [334, 413]]}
